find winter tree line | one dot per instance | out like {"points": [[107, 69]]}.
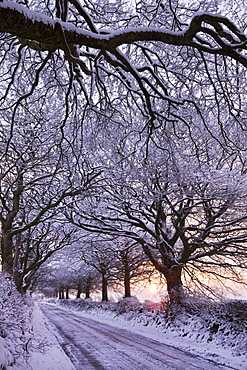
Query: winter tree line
{"points": [[124, 124], [92, 271]]}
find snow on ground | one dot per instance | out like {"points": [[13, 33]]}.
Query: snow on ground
{"points": [[207, 336], [214, 331], [46, 353]]}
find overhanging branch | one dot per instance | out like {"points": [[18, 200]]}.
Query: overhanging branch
{"points": [[23, 23]]}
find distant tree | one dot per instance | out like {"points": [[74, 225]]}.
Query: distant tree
{"points": [[101, 255], [35, 247], [134, 264], [84, 278], [54, 276], [64, 272]]}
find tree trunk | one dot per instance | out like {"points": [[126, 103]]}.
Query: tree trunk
{"points": [[126, 281], [104, 289], [16, 270], [7, 252], [174, 285], [78, 291], [172, 274], [87, 290], [67, 293], [7, 249], [61, 293]]}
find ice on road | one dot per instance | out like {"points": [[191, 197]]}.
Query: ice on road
{"points": [[94, 345]]}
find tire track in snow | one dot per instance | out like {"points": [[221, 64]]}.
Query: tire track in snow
{"points": [[94, 345]]}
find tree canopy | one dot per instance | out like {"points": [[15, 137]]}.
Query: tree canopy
{"points": [[129, 119]]}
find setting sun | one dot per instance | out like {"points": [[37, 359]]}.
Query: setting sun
{"points": [[153, 289]]}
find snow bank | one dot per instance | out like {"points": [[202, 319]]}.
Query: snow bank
{"points": [[25, 340], [212, 330], [15, 329], [6, 357]]}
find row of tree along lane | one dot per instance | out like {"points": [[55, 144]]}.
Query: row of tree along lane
{"points": [[127, 121], [58, 279], [40, 165], [37, 174], [94, 266]]}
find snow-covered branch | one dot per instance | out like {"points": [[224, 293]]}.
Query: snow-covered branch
{"points": [[51, 34]]}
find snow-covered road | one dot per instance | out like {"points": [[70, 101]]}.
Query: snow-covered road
{"points": [[94, 345]]}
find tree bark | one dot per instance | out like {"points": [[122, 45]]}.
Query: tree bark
{"points": [[7, 249], [172, 273], [7, 252], [61, 293], [104, 289], [78, 291], [174, 285], [67, 293], [16, 272], [87, 290], [127, 292]]}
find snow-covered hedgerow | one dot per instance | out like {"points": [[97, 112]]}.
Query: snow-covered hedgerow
{"points": [[224, 323], [26, 342], [15, 330]]}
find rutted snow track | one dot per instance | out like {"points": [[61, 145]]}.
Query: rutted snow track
{"points": [[93, 345]]}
